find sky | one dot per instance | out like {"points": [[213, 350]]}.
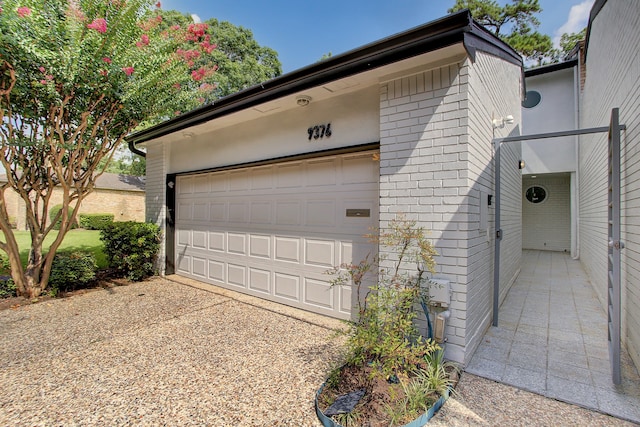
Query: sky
{"points": [[302, 31]]}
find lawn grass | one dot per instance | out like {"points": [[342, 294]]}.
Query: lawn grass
{"points": [[75, 240]]}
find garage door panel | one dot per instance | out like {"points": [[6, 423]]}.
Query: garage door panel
{"points": [[321, 172], [236, 275], [319, 253], [184, 211], [217, 212], [345, 297], [237, 212], [273, 231], [260, 246], [184, 264], [260, 212], [236, 243], [199, 266], [287, 286], [288, 213], [184, 237], [218, 182], [321, 213], [262, 178], [216, 241], [199, 239], [216, 271], [288, 175], [201, 184], [287, 249], [238, 180], [318, 293], [359, 169], [260, 280]]}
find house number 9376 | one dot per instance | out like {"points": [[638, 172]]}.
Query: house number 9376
{"points": [[319, 131]]}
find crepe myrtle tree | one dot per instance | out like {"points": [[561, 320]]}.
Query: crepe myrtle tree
{"points": [[76, 76]]}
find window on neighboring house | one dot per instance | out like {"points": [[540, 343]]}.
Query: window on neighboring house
{"points": [[531, 99]]}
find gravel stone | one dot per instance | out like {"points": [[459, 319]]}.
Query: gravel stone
{"points": [[162, 353]]}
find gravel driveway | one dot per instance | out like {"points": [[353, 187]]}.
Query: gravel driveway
{"points": [[162, 353]]}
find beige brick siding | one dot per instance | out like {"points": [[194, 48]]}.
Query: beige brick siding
{"points": [[495, 88], [124, 205], [613, 80], [547, 226]]}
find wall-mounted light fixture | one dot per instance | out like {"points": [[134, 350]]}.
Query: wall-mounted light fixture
{"points": [[521, 164], [303, 100], [501, 121]]}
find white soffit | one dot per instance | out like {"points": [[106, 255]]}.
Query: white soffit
{"points": [[416, 64]]}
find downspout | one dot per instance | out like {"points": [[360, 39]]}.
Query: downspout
{"points": [[577, 78], [134, 150]]}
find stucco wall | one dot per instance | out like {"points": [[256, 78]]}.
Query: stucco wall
{"points": [[613, 80], [557, 111], [353, 118], [494, 91]]}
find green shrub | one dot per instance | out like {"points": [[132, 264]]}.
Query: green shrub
{"points": [[7, 287], [72, 270], [52, 216], [131, 248], [95, 221]]}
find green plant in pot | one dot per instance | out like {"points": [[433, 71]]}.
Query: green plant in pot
{"points": [[401, 372]]}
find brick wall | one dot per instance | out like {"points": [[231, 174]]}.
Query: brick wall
{"points": [[435, 162], [547, 225], [423, 169], [495, 89], [612, 80], [157, 162], [124, 205]]}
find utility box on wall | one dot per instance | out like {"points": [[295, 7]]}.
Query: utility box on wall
{"points": [[439, 292]]}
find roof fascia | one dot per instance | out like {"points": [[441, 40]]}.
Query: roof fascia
{"points": [[446, 31], [595, 10]]}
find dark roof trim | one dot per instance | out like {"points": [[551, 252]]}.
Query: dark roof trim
{"points": [[443, 32], [550, 68], [595, 10]]}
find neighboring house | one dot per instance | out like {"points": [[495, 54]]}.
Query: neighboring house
{"points": [[120, 195], [266, 189], [572, 171]]}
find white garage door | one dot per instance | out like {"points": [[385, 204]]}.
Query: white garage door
{"points": [[273, 231]]}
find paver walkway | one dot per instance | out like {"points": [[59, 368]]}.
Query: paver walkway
{"points": [[551, 339]]}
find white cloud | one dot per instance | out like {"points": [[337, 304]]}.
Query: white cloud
{"points": [[577, 20], [196, 18]]}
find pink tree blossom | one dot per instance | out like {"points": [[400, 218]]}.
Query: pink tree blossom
{"points": [[98, 24], [128, 70], [23, 11], [144, 41]]}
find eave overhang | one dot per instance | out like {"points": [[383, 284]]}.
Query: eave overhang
{"points": [[447, 31]]}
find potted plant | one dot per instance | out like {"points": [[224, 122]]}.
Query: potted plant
{"points": [[391, 374]]}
